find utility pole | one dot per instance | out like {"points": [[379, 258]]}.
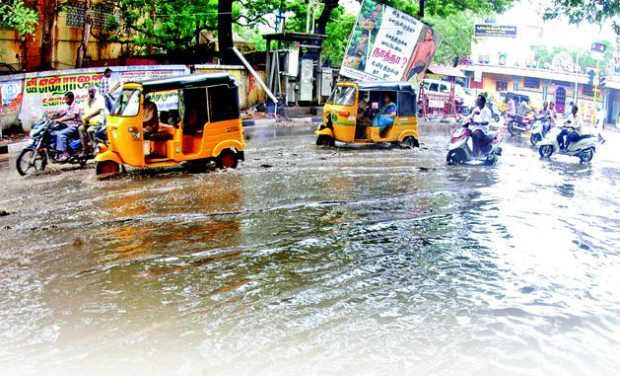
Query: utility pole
{"points": [[421, 10]]}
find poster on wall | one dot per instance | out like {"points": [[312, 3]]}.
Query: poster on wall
{"points": [[10, 96], [389, 45], [44, 91]]}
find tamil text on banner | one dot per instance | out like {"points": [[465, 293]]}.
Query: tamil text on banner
{"points": [[387, 44], [44, 91]]}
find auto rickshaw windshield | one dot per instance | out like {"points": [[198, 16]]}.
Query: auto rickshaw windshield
{"points": [[127, 103], [343, 95]]}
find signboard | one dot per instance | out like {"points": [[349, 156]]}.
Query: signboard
{"points": [[598, 47], [326, 82], [44, 91], [387, 44], [499, 31], [292, 61]]}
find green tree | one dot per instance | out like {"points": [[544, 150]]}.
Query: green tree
{"points": [[14, 14], [593, 11], [337, 30], [583, 59], [441, 8], [456, 33], [175, 25]]}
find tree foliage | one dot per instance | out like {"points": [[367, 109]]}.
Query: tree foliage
{"points": [[592, 11], [172, 25], [14, 14], [544, 56], [456, 33]]}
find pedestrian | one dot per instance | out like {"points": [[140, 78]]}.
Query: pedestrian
{"points": [[70, 117], [104, 89], [600, 122], [93, 119]]}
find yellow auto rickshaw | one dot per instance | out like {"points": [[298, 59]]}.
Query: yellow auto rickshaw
{"points": [[192, 119], [351, 114]]}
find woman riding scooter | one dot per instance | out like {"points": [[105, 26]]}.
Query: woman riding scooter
{"points": [[479, 124]]}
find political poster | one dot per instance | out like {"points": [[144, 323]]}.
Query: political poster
{"points": [[389, 45], [44, 91]]}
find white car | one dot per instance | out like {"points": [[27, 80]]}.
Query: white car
{"points": [[438, 88]]}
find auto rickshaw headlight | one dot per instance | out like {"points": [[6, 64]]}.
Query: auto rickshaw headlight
{"points": [[134, 133]]}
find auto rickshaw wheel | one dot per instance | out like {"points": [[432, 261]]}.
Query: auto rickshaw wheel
{"points": [[324, 140], [409, 142], [227, 159], [107, 169]]}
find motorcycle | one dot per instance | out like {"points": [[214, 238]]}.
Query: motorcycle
{"points": [[518, 125], [540, 128], [583, 148], [461, 148], [35, 156]]}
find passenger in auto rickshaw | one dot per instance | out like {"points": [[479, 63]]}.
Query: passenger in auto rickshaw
{"points": [[386, 115]]}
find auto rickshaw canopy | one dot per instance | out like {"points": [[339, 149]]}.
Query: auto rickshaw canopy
{"points": [[189, 82], [386, 86]]}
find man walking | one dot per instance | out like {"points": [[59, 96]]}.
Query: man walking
{"points": [[104, 89]]}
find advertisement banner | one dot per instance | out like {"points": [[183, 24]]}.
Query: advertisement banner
{"points": [[387, 44], [499, 31], [44, 91], [10, 96]]}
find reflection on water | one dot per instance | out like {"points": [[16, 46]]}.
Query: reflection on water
{"points": [[312, 260]]}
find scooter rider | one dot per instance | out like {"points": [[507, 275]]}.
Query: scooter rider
{"points": [[571, 129], [70, 116], [479, 123]]}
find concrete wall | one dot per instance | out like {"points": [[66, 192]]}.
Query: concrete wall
{"points": [[27, 96]]}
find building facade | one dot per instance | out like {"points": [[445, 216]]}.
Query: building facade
{"points": [[539, 85], [58, 34]]}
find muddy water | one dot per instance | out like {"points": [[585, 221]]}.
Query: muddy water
{"points": [[317, 261]]}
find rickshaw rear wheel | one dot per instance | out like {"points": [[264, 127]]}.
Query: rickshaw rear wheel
{"points": [[324, 140], [227, 159], [107, 169], [408, 142]]}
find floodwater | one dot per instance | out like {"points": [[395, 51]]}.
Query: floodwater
{"points": [[316, 261]]}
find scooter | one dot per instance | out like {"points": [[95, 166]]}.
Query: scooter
{"points": [[583, 148], [518, 125], [461, 148], [540, 128]]}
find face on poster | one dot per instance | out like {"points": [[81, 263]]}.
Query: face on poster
{"points": [[387, 44]]}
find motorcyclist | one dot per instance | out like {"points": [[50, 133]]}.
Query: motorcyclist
{"points": [[571, 129], [70, 116], [524, 108], [479, 124], [545, 116]]}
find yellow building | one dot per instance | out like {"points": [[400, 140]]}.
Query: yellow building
{"points": [[539, 85]]}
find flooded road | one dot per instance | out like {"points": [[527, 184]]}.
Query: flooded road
{"points": [[316, 261]]}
